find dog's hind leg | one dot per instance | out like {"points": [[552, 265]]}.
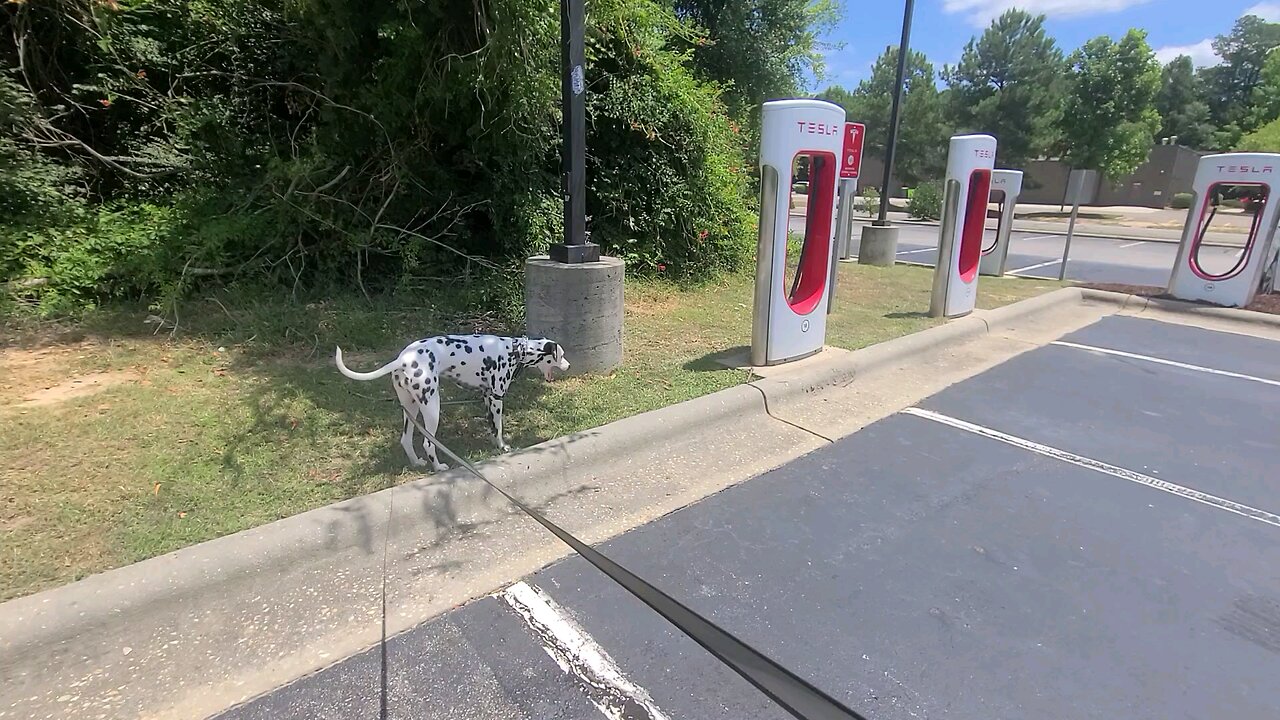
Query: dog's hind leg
{"points": [[494, 405], [408, 406], [430, 408]]}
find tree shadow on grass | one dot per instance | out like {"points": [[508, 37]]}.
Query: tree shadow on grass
{"points": [[907, 314]]}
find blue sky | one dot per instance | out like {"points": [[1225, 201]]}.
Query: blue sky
{"points": [[942, 27]]}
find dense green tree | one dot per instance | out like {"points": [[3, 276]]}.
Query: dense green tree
{"points": [[1266, 94], [1264, 139], [1229, 85], [758, 49], [1183, 112], [1009, 83], [1110, 113], [922, 133]]}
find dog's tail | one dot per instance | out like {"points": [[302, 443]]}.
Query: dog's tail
{"points": [[337, 358]]}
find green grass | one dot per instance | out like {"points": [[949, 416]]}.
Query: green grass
{"points": [[239, 419]]}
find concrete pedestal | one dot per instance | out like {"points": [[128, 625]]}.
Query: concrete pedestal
{"points": [[879, 245], [578, 306]]}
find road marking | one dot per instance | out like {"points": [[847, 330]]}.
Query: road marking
{"points": [[1162, 361], [579, 655], [909, 252], [1037, 266], [1037, 237], [1132, 244], [1214, 501]]}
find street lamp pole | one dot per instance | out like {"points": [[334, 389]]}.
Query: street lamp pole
{"points": [[575, 247], [891, 145]]}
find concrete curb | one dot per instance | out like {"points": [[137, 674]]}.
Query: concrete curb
{"points": [[842, 369], [59, 615]]}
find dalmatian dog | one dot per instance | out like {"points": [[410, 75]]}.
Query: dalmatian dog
{"points": [[478, 362]]}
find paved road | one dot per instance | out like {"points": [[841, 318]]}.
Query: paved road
{"points": [[918, 569], [1110, 260]]}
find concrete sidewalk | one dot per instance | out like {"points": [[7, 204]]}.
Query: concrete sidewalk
{"points": [[188, 634]]}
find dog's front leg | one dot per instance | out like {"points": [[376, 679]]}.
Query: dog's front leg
{"points": [[494, 404]]}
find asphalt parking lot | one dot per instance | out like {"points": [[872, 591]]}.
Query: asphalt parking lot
{"points": [[1087, 530]]}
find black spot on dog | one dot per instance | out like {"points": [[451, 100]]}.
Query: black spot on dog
{"points": [[413, 364], [417, 373]]}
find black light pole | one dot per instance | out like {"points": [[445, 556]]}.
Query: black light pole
{"points": [[575, 247], [892, 145]]}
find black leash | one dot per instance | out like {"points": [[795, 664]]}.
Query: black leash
{"points": [[790, 691]]}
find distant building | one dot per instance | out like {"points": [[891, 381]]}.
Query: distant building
{"points": [[1168, 170]]}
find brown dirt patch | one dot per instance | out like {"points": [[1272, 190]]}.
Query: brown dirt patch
{"points": [[32, 377], [77, 387], [1269, 303]]}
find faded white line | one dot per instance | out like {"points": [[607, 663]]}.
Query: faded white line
{"points": [[1037, 266], [1214, 501], [1162, 361], [1132, 244], [1036, 237], [579, 655], [909, 252]]}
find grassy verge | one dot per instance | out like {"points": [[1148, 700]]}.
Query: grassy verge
{"points": [[121, 443]]}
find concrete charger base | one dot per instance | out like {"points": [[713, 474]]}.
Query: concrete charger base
{"points": [[879, 245]]}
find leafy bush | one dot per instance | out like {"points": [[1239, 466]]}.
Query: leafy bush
{"points": [[1181, 201], [926, 201], [331, 143], [870, 201], [112, 251]]}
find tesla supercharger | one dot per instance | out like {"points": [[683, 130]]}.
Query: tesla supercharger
{"points": [[1232, 281], [970, 160], [790, 318], [1006, 185]]}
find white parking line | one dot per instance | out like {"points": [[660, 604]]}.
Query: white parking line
{"points": [[1037, 266], [577, 653], [1214, 501], [909, 252], [1036, 237], [1162, 361], [1132, 244]]}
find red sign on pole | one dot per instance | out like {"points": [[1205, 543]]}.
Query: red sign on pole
{"points": [[851, 158]]}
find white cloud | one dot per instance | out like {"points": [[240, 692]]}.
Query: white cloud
{"points": [[981, 12], [1268, 11], [1201, 53]]}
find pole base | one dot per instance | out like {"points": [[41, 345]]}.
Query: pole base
{"points": [[575, 254], [579, 305], [878, 245]]}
